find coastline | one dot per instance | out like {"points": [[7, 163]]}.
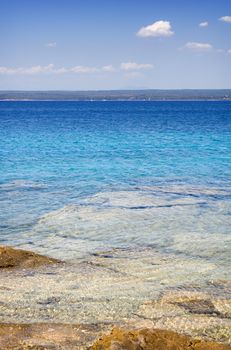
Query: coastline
{"points": [[146, 95], [131, 100]]}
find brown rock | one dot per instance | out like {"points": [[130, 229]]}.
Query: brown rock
{"points": [[49, 336], [152, 339], [44, 336], [13, 258]]}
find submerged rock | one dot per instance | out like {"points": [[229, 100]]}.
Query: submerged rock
{"points": [[152, 339], [204, 307], [17, 258], [197, 314]]}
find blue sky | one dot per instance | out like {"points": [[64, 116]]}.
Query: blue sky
{"points": [[90, 44]]}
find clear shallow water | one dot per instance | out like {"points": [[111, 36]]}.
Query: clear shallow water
{"points": [[134, 196], [115, 173]]}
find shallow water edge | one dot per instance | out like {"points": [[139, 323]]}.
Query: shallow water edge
{"points": [[81, 300]]}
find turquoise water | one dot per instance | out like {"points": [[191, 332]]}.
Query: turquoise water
{"points": [[134, 197], [81, 177]]}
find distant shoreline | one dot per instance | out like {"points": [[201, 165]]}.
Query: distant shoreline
{"points": [[163, 100], [117, 95]]}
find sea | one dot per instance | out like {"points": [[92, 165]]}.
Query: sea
{"points": [[134, 196]]}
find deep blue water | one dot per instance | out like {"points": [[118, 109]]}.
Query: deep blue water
{"points": [[53, 154], [115, 142]]}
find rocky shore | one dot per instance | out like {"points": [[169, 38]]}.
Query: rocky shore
{"points": [[178, 320], [152, 339], [44, 336], [82, 337], [18, 258]]}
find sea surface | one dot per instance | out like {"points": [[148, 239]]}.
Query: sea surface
{"points": [[134, 196]]}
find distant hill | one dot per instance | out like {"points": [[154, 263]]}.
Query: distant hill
{"points": [[116, 95]]}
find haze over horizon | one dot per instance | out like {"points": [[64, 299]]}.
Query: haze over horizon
{"points": [[75, 45]]}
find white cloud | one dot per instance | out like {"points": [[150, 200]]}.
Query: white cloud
{"points": [[5, 70], [229, 51], [156, 29], [204, 24], [108, 68], [225, 19], [198, 47], [135, 66], [61, 70], [30, 70], [38, 69], [84, 69], [50, 68], [53, 44]]}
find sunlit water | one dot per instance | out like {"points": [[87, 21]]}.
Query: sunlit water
{"points": [[134, 196]]}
